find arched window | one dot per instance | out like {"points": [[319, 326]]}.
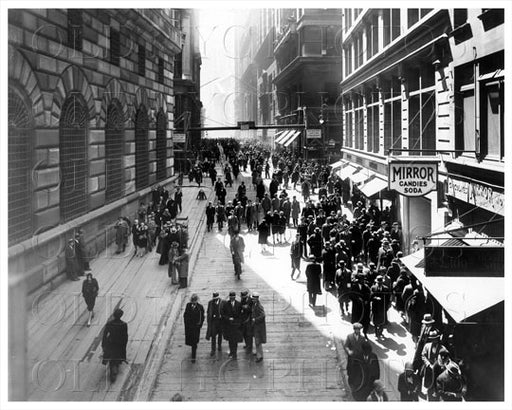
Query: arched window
{"points": [[73, 158], [161, 146], [141, 149], [114, 142], [19, 160]]}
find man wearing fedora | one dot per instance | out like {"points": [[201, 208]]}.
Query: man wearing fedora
{"points": [[214, 323], [231, 313], [429, 357], [354, 348], [360, 297], [194, 319], [427, 325], [379, 303], [450, 384], [247, 325], [259, 325]]}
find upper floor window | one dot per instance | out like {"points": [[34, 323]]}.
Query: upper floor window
{"points": [[142, 60], [160, 70], [115, 46], [178, 69], [75, 29]]}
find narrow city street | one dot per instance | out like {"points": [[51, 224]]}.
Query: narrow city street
{"points": [[304, 357]]}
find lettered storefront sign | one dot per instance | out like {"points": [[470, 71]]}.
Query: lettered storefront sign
{"points": [[412, 178]]}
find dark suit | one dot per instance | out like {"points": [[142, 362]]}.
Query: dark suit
{"points": [[193, 318], [232, 317], [214, 322]]}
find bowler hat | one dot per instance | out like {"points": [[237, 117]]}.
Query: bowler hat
{"points": [[232, 293], [244, 293], [427, 319], [215, 294]]}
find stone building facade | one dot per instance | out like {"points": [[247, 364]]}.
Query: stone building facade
{"points": [[90, 117]]}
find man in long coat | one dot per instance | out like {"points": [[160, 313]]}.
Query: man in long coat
{"points": [[313, 275], [194, 319], [329, 265], [259, 326], [122, 233], [237, 248], [380, 303], [214, 323], [73, 267], [210, 216], [114, 341], [360, 297], [247, 325], [365, 372], [231, 312]]}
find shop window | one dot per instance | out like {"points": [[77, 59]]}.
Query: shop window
{"points": [[75, 29], [161, 145], [115, 46], [412, 17], [114, 144], [19, 135], [395, 23], [141, 149], [73, 158], [142, 61]]}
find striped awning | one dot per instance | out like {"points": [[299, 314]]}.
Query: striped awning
{"points": [[283, 136], [292, 137]]}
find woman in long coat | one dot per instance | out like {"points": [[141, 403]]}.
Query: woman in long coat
{"points": [[194, 319], [263, 234], [90, 291]]}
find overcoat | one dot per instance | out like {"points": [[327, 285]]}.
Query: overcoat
{"points": [[182, 265], [194, 318], [259, 325], [313, 274], [263, 232], [213, 318], [90, 292], [360, 296], [363, 374], [379, 301], [231, 328], [115, 338]]}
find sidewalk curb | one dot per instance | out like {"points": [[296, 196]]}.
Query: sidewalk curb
{"points": [[147, 378]]}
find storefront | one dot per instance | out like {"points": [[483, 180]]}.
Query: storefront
{"points": [[464, 278]]}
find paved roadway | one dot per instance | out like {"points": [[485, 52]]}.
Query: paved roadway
{"points": [[304, 357]]}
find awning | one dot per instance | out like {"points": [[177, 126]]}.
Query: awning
{"points": [[360, 176], [460, 297], [291, 138], [337, 164], [372, 186], [344, 173], [277, 135], [281, 137]]}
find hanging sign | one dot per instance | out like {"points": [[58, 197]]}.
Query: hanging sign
{"points": [[412, 178], [178, 138], [313, 133]]}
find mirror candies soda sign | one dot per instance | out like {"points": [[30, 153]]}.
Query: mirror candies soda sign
{"points": [[412, 178]]}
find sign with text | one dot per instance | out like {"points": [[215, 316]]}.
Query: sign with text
{"points": [[477, 194], [313, 133], [179, 138], [412, 178], [471, 261]]}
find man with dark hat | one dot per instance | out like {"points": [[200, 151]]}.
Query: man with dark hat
{"points": [[379, 303], [214, 323], [231, 313], [237, 248], [259, 326], [354, 347], [246, 312], [408, 384], [329, 265], [194, 319], [295, 255], [114, 341], [360, 297], [343, 281], [313, 275], [450, 385], [429, 356]]}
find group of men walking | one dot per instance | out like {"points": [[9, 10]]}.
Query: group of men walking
{"points": [[233, 320]]}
